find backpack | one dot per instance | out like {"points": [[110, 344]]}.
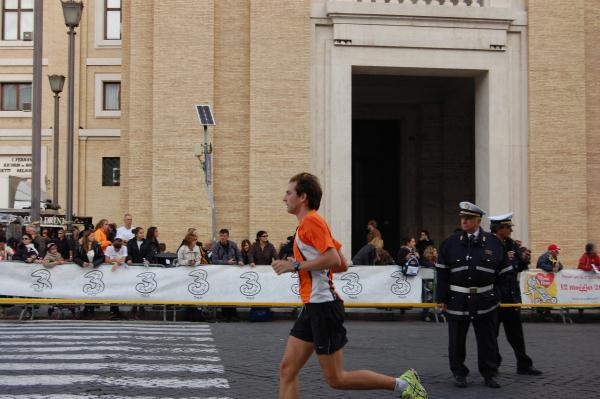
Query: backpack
{"points": [[411, 267]]}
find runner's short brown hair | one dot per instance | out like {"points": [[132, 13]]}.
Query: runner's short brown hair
{"points": [[308, 184]]}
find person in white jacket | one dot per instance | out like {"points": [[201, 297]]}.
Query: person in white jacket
{"points": [[189, 253]]}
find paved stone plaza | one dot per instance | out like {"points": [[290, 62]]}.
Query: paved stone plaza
{"points": [[77, 359]]}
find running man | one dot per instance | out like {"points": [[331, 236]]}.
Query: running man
{"points": [[319, 326]]}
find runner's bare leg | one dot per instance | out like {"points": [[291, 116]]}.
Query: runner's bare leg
{"points": [[297, 352], [337, 378]]}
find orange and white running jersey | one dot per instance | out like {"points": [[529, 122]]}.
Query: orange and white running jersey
{"points": [[313, 238]]}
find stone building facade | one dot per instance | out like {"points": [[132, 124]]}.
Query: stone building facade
{"points": [[401, 107]]}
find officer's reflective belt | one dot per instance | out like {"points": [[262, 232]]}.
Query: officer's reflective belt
{"points": [[440, 266], [506, 269], [485, 269], [465, 313], [471, 290], [480, 268]]}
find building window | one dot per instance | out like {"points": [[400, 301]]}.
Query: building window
{"points": [[15, 96], [111, 171], [112, 19], [107, 102], [112, 96], [17, 17]]}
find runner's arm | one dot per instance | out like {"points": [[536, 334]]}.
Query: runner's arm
{"points": [[328, 259]]}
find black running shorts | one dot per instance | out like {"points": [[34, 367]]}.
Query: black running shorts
{"points": [[323, 325]]}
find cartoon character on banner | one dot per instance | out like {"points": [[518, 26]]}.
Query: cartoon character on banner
{"points": [[200, 285], [95, 285], [43, 280], [148, 284], [352, 286], [251, 287], [541, 288], [401, 286]]}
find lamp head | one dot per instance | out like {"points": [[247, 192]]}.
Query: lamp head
{"points": [[56, 83], [72, 12]]}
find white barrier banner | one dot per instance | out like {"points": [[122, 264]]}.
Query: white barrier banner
{"points": [[206, 284], [571, 286]]}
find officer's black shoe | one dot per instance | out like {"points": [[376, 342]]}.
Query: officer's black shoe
{"points": [[460, 381], [491, 382], [529, 371]]}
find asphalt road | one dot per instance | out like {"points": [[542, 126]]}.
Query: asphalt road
{"points": [[144, 360]]}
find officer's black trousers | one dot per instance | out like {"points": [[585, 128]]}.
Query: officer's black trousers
{"points": [[511, 319], [487, 345]]}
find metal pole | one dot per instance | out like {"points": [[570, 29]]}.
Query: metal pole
{"points": [[36, 109], [70, 122], [208, 182], [55, 133]]}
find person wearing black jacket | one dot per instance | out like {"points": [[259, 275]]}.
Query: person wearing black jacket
{"points": [[510, 292], [151, 246], [136, 247], [287, 249], [65, 247], [467, 274], [26, 250], [89, 253]]}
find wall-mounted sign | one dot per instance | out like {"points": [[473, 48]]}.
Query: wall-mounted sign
{"points": [[15, 165]]}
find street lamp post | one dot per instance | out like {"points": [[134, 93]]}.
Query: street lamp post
{"points": [[72, 12], [56, 84], [205, 150], [36, 125]]}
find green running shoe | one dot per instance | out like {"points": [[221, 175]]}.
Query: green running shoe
{"points": [[414, 390]]}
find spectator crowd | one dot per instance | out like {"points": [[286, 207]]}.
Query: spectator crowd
{"points": [[128, 244]]}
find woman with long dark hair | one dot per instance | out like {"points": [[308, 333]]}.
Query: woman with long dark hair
{"points": [[245, 251], [89, 253], [152, 245]]}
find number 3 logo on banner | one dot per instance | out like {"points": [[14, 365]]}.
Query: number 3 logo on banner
{"points": [[401, 286], [200, 286], [148, 283], [352, 287], [95, 285], [43, 280], [251, 287], [295, 287]]}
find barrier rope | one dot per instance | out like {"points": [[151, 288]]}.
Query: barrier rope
{"points": [[61, 301]]}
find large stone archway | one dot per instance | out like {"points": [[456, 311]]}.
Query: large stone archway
{"points": [[485, 43]]}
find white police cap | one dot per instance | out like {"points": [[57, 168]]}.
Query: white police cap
{"points": [[470, 209], [505, 219]]}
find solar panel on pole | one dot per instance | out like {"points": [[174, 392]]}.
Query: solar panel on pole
{"points": [[205, 115]]}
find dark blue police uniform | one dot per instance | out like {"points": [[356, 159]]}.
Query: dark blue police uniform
{"points": [[467, 273], [510, 292]]}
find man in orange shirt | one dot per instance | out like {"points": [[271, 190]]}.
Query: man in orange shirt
{"points": [[319, 327]]}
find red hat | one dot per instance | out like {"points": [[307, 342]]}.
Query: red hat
{"points": [[553, 247]]}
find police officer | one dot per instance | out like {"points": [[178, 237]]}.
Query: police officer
{"points": [[467, 271], [510, 292]]}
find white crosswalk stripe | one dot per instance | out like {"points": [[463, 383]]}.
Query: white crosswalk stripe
{"points": [[73, 360], [63, 379], [120, 331], [102, 356], [61, 396], [83, 348], [192, 368], [66, 337]]}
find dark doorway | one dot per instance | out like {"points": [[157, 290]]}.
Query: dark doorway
{"points": [[413, 155], [375, 147]]}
